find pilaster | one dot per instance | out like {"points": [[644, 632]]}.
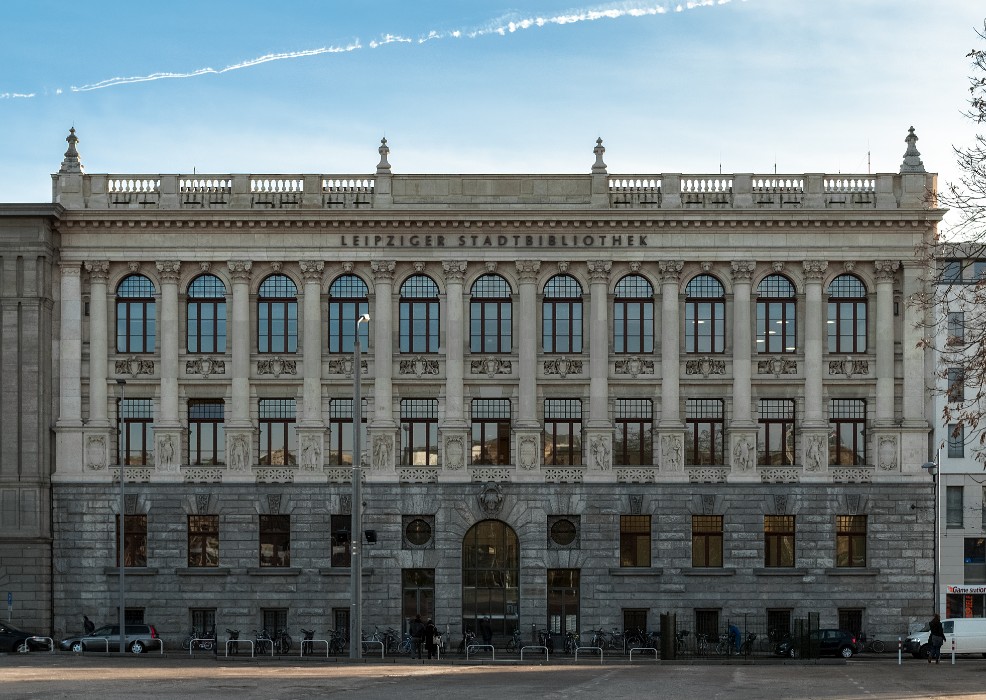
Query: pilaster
{"points": [[742, 344], [98, 339], [240, 327], [886, 271], [383, 350], [670, 395], [168, 339], [454, 270], [527, 339], [311, 270], [815, 342]]}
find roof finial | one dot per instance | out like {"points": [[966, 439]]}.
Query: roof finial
{"points": [[71, 163], [912, 157], [599, 167], [383, 167]]}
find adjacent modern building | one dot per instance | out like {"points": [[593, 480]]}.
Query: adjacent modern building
{"points": [[587, 399]]}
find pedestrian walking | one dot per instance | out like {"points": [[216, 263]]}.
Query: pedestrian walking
{"points": [[433, 638], [88, 625], [417, 630], [936, 639]]}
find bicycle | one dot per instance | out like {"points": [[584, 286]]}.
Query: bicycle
{"points": [[514, 643], [571, 642], [406, 645], [680, 647], [233, 636], [877, 646], [337, 642], [263, 642]]}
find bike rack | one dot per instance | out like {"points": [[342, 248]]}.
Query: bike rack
{"points": [[48, 640], [534, 647], [315, 641], [242, 641], [373, 641], [481, 646], [599, 649], [193, 642], [104, 640], [643, 649]]}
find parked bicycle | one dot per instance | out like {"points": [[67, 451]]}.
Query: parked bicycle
{"points": [[204, 641], [263, 644], [514, 643], [468, 639], [571, 642], [706, 645], [680, 646], [746, 648], [545, 640], [337, 642], [233, 648], [863, 643]]}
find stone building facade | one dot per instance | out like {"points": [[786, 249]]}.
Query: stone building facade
{"points": [[588, 399]]}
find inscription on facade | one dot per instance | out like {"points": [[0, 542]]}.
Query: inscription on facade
{"points": [[595, 240]]}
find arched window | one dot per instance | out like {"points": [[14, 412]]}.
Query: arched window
{"points": [[277, 315], [490, 576], [419, 315], [347, 302], [705, 315], [847, 314], [633, 315], [776, 315], [561, 329], [136, 316], [206, 317], [490, 315]]}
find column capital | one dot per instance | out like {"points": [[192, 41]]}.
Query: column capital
{"points": [[311, 270], [814, 269], [670, 269], [240, 270], [528, 270], [886, 270], [599, 270], [98, 270], [383, 270], [743, 270], [170, 270], [70, 268], [453, 270]]}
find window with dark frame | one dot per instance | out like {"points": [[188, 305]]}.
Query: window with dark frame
{"points": [[851, 620], [956, 328], [776, 315], [850, 541], [136, 315], [203, 620], [951, 271], [277, 315], [776, 427], [562, 431], [203, 541], [847, 430], [340, 527], [561, 317], [274, 620], [206, 432], [275, 540], [136, 426], [974, 559], [705, 315], [340, 444], [278, 442], [563, 531], [348, 300], [490, 431], [419, 432], [633, 315], [954, 505], [778, 531], [206, 315], [847, 312], [956, 441], [419, 315], [704, 431], [707, 540], [134, 542], [635, 541], [778, 624], [490, 315], [634, 439], [956, 384], [418, 532]]}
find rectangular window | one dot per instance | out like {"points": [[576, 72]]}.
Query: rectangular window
{"points": [[419, 432], [135, 540], [274, 619], [707, 540], [707, 625], [704, 431], [562, 431], [974, 555], [953, 506], [951, 271], [956, 440], [203, 620], [851, 620], [847, 426], [278, 442], [956, 384], [136, 425], [275, 540], [778, 531], [203, 540], [778, 624], [956, 328], [635, 540], [340, 445], [776, 431], [342, 553], [634, 432], [850, 541], [206, 433], [490, 431]]}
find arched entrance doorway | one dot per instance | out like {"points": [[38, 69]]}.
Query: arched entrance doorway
{"points": [[490, 577]]}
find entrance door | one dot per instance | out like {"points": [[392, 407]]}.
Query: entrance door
{"points": [[490, 575], [563, 604], [418, 587]]}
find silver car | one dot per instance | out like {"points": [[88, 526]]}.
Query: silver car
{"points": [[140, 638]]}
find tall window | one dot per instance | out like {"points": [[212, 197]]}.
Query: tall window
{"points": [[562, 431], [340, 445], [419, 432], [706, 540], [348, 300], [778, 531], [776, 431], [203, 540], [850, 540], [776, 316], [490, 315], [490, 431], [561, 319], [951, 271], [634, 432], [635, 540], [491, 576], [705, 315], [847, 425], [278, 443], [704, 431], [419, 315], [633, 315], [954, 497], [277, 315], [275, 540], [847, 315], [206, 315], [956, 384], [135, 540], [341, 527], [417, 594], [136, 425], [563, 601], [136, 315], [974, 556], [956, 327], [956, 440], [206, 434]]}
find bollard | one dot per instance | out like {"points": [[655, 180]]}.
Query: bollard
{"points": [[953, 649], [900, 651]]}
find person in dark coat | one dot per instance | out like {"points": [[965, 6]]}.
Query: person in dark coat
{"points": [[88, 625], [486, 630], [431, 638], [417, 630], [935, 639]]}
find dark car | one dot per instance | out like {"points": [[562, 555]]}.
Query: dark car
{"points": [[140, 638], [13, 639], [818, 642]]}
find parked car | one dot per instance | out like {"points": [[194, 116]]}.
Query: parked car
{"points": [[139, 639], [967, 633], [13, 639], [821, 642]]}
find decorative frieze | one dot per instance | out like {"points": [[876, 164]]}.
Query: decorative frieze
{"points": [[453, 270], [636, 475], [487, 474], [705, 366], [98, 269], [339, 475], [202, 475], [277, 366], [777, 366], [780, 475], [849, 367], [562, 366], [205, 366], [344, 365], [527, 270], [852, 475], [491, 365], [239, 270], [419, 366], [707, 475], [634, 366], [274, 475], [134, 366], [417, 475], [814, 269], [562, 475]]}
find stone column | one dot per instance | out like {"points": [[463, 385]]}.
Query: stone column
{"points": [[814, 430], [167, 429], [670, 456], [382, 430], [98, 340], [742, 427], [455, 429], [239, 428], [527, 429], [913, 352], [599, 428], [68, 428], [311, 428], [886, 270]]}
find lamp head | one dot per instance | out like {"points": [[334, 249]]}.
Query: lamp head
{"points": [[931, 467], [365, 318]]}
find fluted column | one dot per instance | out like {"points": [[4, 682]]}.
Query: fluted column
{"points": [[670, 343], [886, 270], [815, 341], [98, 339], [454, 339], [527, 342], [598, 342], [311, 349], [383, 341], [742, 340], [168, 342], [70, 346], [912, 349], [240, 326]]}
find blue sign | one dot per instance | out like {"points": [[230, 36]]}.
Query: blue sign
{"points": [[10, 599]]}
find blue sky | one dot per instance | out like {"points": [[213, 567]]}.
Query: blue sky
{"points": [[811, 85]]}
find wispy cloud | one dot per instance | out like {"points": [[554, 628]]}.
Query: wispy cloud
{"points": [[15, 95], [501, 26]]}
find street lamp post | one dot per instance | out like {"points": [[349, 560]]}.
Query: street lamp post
{"points": [[122, 452], [932, 468], [356, 525]]}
